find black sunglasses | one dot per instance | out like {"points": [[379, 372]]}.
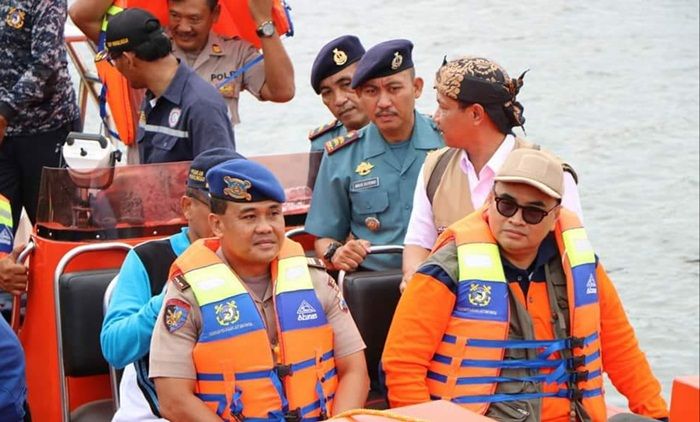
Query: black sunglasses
{"points": [[531, 215]]}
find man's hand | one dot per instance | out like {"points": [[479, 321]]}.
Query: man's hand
{"points": [[13, 276], [349, 256], [260, 10], [3, 127]]}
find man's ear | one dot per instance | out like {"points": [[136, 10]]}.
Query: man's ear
{"points": [[186, 206], [215, 225], [478, 112], [418, 86]]}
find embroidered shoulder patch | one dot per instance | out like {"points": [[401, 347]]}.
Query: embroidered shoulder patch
{"points": [[180, 283], [175, 314], [316, 263], [342, 141], [323, 129]]}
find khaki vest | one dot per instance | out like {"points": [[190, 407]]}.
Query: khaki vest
{"points": [[448, 207]]}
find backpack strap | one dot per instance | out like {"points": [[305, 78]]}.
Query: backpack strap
{"points": [[438, 172]]}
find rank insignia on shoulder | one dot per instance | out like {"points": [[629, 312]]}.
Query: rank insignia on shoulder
{"points": [[323, 129], [180, 283], [316, 263], [342, 141]]}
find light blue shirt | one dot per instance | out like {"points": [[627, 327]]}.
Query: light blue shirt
{"points": [[364, 181], [132, 312]]}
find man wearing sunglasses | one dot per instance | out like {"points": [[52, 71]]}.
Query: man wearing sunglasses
{"points": [[138, 295], [477, 111], [513, 316], [181, 115]]}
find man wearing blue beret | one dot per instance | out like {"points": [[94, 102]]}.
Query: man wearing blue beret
{"points": [[365, 185], [251, 329], [138, 294], [331, 77]]}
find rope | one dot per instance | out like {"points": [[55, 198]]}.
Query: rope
{"points": [[373, 412]]}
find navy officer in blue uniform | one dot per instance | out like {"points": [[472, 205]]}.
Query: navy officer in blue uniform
{"points": [[364, 190], [13, 386], [331, 77], [182, 115]]}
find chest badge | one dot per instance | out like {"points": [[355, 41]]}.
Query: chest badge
{"points": [[216, 49], [227, 313], [174, 117], [15, 18], [373, 224], [364, 168]]}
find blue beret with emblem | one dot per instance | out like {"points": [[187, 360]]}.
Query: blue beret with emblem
{"points": [[384, 59], [196, 178], [334, 57], [244, 181]]}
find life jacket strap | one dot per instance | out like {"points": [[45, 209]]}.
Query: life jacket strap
{"points": [[575, 394]]}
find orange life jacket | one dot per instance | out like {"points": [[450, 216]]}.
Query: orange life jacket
{"points": [[115, 88], [466, 367], [237, 375], [6, 236]]}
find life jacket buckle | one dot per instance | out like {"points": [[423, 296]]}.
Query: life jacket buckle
{"points": [[576, 342], [293, 415], [575, 394], [575, 362], [579, 376], [283, 370]]}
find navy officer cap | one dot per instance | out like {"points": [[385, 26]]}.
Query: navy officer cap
{"points": [[196, 178], [244, 181], [384, 59], [334, 57]]}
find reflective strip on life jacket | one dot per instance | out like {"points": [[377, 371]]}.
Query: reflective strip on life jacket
{"points": [[236, 374], [165, 130], [466, 366]]}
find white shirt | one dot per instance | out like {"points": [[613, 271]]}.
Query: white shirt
{"points": [[132, 404], [421, 229]]}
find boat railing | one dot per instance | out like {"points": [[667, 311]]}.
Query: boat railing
{"points": [[15, 319]]}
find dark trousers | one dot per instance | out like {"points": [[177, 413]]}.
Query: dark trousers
{"points": [[21, 159]]}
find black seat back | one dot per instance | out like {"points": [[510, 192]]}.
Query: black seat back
{"points": [[372, 297], [81, 297]]}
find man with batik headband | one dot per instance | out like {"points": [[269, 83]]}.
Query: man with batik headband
{"points": [[251, 329], [364, 187], [331, 77], [477, 110]]}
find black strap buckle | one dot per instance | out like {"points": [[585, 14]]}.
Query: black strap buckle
{"points": [[293, 415], [575, 394], [283, 370], [576, 342], [579, 376], [575, 362]]}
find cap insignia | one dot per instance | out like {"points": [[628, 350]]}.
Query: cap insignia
{"points": [[396, 61], [237, 188], [339, 57]]}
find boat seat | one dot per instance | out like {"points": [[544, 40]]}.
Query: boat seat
{"points": [[372, 297], [81, 306]]}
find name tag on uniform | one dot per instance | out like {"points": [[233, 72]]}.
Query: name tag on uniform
{"points": [[364, 184]]}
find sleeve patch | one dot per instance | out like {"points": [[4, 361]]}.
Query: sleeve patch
{"points": [[175, 314]]}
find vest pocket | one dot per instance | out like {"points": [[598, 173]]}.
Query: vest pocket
{"points": [[517, 410]]}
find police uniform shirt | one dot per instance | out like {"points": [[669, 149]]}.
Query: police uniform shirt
{"points": [[318, 143], [171, 353], [220, 58], [361, 189], [190, 117]]}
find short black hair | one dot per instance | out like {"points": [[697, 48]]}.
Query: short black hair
{"points": [[218, 205], [210, 3]]}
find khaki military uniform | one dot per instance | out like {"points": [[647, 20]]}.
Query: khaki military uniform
{"points": [[219, 59], [171, 352]]}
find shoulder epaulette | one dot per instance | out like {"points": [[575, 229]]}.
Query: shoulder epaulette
{"points": [[342, 141], [316, 263], [180, 283], [323, 129]]}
